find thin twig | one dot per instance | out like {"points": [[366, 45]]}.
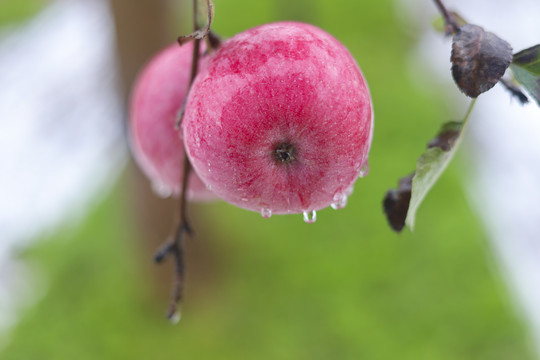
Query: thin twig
{"points": [[200, 33], [452, 26], [175, 244], [194, 70]]}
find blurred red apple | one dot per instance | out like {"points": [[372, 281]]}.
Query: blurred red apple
{"points": [[156, 99]]}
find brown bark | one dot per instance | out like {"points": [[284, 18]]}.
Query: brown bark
{"points": [[142, 28]]}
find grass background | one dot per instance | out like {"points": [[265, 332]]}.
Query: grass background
{"points": [[345, 287]]}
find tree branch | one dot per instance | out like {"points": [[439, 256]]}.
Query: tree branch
{"points": [[175, 244]]}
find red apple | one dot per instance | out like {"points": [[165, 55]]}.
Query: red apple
{"points": [[156, 99], [280, 120]]}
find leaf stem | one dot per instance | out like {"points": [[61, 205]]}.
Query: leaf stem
{"points": [[464, 123], [467, 114], [451, 24]]}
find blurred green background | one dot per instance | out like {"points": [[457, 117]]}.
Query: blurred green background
{"points": [[346, 287]]}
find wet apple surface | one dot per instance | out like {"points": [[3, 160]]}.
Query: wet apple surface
{"points": [[280, 120]]}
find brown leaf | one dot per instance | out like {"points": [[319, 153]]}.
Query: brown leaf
{"points": [[445, 140], [396, 203], [479, 59], [447, 136]]}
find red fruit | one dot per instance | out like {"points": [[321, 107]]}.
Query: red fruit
{"points": [[156, 99], [280, 120]]}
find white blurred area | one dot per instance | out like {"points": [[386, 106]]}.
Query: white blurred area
{"points": [[61, 141], [502, 145]]}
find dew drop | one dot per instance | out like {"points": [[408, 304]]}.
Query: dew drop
{"points": [[365, 170], [244, 199], [266, 212], [339, 201], [175, 318], [209, 187], [161, 190], [310, 216]]}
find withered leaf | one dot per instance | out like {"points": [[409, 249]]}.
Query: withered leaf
{"points": [[396, 203], [479, 59], [447, 136], [400, 205], [431, 164]]}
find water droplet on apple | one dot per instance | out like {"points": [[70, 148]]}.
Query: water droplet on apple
{"points": [[161, 190], [339, 201], [266, 212], [365, 170], [310, 216]]}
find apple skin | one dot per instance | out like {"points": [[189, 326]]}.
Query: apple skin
{"points": [[274, 88], [156, 99]]}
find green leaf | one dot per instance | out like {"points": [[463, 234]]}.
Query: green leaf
{"points": [[431, 165], [526, 69], [529, 59]]}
